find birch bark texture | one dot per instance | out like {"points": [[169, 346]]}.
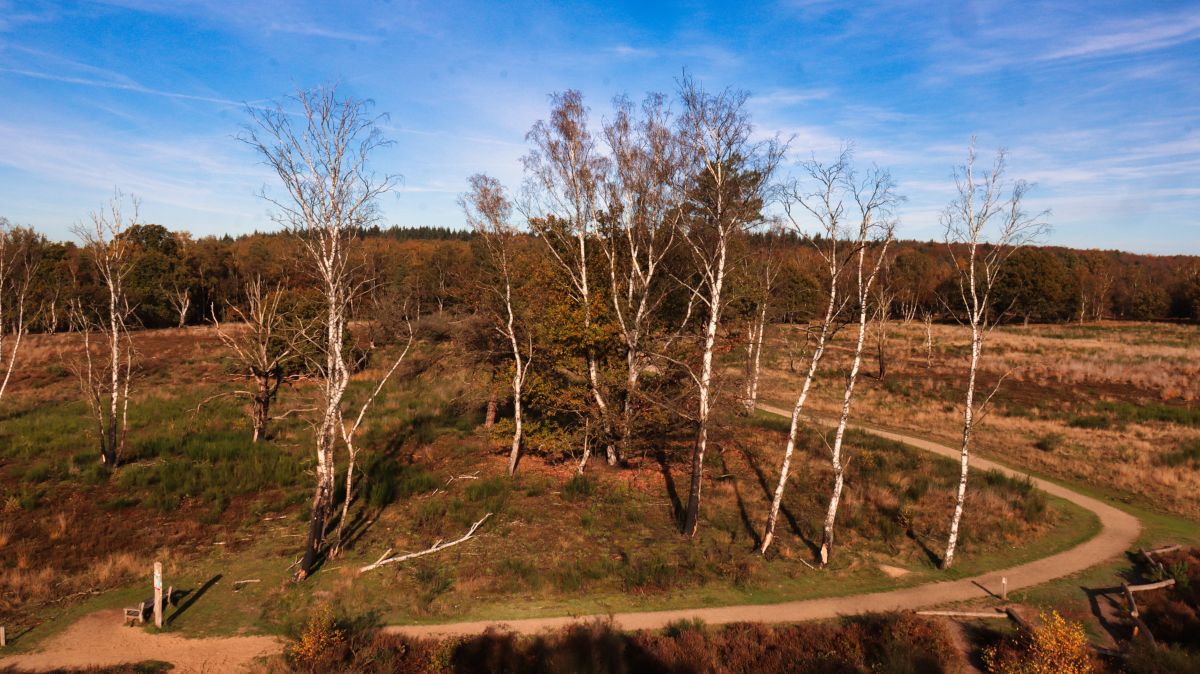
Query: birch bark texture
{"points": [[875, 199], [320, 147], [984, 226], [815, 206], [729, 182], [489, 213]]}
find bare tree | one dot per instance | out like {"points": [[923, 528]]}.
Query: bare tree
{"points": [[180, 299], [927, 321], [262, 346], [763, 274], [875, 198], [488, 212], [644, 208], [18, 264], [728, 183], [561, 198], [105, 384], [984, 225], [885, 298], [822, 198], [350, 432], [320, 153]]}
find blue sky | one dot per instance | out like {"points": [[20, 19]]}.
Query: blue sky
{"points": [[1098, 102]]}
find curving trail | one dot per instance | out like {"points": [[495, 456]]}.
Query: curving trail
{"points": [[98, 639], [1119, 530]]}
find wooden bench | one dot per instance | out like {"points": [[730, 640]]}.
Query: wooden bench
{"points": [[138, 614]]}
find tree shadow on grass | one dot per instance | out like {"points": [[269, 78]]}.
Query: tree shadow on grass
{"points": [[192, 597], [665, 468], [934, 558], [741, 503], [1112, 598], [769, 494]]}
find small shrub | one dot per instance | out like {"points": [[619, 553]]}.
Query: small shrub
{"points": [[39, 472], [433, 582], [573, 576], [1187, 455], [1147, 658], [119, 503], [677, 628], [1033, 506], [490, 495], [579, 487], [520, 569], [1049, 442], [1091, 422], [649, 574], [1181, 574], [1057, 646], [320, 643]]}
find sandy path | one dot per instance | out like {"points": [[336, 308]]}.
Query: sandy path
{"points": [[1119, 531], [100, 639]]}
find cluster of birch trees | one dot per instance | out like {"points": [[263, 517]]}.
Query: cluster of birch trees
{"points": [[631, 275], [645, 219]]}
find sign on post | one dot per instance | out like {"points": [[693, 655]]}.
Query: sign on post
{"points": [[158, 604]]}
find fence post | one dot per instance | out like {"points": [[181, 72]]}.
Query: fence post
{"points": [[1003, 588], [158, 607]]}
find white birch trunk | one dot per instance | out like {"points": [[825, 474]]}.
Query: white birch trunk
{"points": [[692, 522], [785, 468]]}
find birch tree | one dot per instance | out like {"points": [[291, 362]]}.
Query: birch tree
{"points": [[763, 274], [815, 207], [875, 198], [262, 347], [18, 266], [180, 299], [489, 212], [105, 381], [321, 154], [561, 199], [984, 225], [644, 209], [728, 183]]}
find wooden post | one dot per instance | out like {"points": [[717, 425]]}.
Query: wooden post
{"points": [[158, 595], [1003, 588], [3, 638]]}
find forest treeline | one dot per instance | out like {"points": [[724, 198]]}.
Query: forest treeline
{"points": [[177, 279]]}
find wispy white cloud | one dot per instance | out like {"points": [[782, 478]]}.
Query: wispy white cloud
{"points": [[627, 51], [122, 86], [1131, 36]]}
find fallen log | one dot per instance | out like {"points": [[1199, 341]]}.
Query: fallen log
{"points": [[1151, 586], [965, 614], [384, 559]]}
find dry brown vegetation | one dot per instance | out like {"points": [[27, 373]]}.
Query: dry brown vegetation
{"points": [[190, 481], [1112, 404]]}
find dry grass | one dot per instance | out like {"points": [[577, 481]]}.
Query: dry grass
{"points": [[1067, 406]]}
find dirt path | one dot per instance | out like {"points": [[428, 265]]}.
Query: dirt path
{"points": [[100, 639], [1119, 531]]}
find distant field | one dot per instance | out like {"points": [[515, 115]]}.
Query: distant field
{"points": [[1115, 405]]}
